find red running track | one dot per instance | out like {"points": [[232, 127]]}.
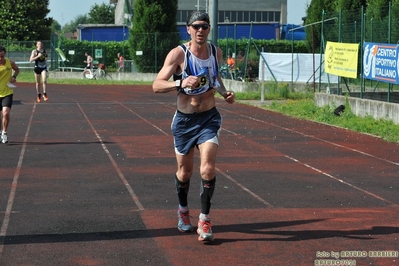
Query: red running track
{"points": [[87, 179]]}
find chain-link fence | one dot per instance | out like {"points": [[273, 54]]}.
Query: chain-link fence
{"points": [[69, 54], [379, 25], [20, 51]]}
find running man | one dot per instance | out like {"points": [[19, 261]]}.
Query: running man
{"points": [[7, 77], [197, 122]]}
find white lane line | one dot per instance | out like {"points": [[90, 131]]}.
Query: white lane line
{"points": [[11, 197], [311, 167], [142, 118], [341, 181], [313, 137], [320, 171], [117, 169], [244, 188], [217, 169]]}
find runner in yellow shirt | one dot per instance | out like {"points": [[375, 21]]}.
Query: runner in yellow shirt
{"points": [[7, 78]]}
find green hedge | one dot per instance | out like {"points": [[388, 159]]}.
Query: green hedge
{"points": [[110, 49]]}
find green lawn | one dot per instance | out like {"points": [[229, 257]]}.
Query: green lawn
{"points": [[302, 106]]}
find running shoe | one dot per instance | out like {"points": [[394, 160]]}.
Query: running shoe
{"points": [[45, 98], [184, 224], [38, 98], [205, 230], [4, 138]]}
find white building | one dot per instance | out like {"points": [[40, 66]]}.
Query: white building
{"points": [[229, 11]]}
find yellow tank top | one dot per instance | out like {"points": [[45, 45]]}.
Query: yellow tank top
{"points": [[5, 76]]}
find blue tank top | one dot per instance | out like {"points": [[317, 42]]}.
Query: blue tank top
{"points": [[206, 70]]}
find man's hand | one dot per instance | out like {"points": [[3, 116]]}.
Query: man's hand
{"points": [[229, 96]]}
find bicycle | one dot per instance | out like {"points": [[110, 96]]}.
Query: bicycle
{"points": [[96, 72], [227, 73]]}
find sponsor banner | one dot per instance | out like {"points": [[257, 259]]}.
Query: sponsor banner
{"points": [[341, 59], [380, 62]]}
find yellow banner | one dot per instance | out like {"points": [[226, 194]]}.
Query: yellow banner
{"points": [[341, 59]]}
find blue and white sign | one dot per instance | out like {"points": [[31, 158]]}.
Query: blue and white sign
{"points": [[380, 62]]}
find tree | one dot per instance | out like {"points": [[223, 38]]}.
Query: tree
{"points": [[102, 14], [154, 28], [25, 20], [55, 26], [98, 14], [71, 26], [378, 9], [352, 16], [314, 14], [377, 21], [350, 4]]}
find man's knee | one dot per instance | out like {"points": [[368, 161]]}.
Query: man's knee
{"points": [[207, 171], [6, 112], [184, 175]]}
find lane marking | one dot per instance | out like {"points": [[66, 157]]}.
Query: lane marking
{"points": [[244, 188], [145, 120], [318, 170], [14, 184], [217, 169], [116, 167], [309, 166], [341, 181], [310, 136]]}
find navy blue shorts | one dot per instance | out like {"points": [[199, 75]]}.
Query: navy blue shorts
{"points": [[6, 101], [190, 130]]}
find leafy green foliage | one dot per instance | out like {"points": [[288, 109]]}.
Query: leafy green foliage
{"points": [[377, 21], [349, 15], [329, 11], [350, 4], [272, 46], [71, 26], [102, 14], [154, 22], [98, 14], [25, 20], [55, 26], [314, 15], [377, 9], [110, 49]]}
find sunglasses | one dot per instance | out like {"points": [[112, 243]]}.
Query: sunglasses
{"points": [[198, 26]]}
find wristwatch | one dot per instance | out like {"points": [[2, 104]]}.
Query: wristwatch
{"points": [[178, 84]]}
